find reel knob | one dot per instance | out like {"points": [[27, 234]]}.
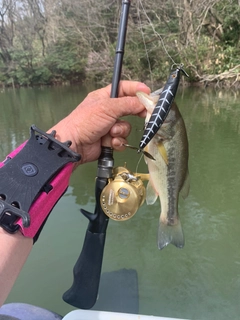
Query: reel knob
{"points": [[123, 195]]}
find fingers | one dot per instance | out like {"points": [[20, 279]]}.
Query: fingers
{"points": [[126, 88], [124, 106], [129, 88], [118, 144], [119, 132], [120, 129], [127, 103], [97, 115]]}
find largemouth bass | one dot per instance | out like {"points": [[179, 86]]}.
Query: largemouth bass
{"points": [[169, 172]]}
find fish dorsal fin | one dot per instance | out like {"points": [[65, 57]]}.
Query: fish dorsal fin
{"points": [[151, 195], [186, 186], [163, 152]]}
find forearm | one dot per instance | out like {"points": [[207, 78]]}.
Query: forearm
{"points": [[85, 127], [14, 250]]}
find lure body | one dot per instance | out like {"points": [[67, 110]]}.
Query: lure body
{"points": [[162, 107]]}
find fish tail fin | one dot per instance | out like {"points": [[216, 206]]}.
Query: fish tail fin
{"points": [[170, 234]]}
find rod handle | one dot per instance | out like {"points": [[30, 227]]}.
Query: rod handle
{"points": [[86, 272]]}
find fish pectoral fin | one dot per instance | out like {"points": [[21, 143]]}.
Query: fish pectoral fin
{"points": [[163, 151], [170, 234], [151, 195], [186, 186]]}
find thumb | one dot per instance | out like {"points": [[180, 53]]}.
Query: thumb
{"points": [[125, 106]]}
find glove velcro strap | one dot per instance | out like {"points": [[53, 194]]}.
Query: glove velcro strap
{"points": [[32, 179], [46, 201]]}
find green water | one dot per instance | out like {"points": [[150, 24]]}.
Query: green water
{"points": [[200, 281]]}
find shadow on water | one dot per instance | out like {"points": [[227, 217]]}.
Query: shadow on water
{"points": [[200, 281]]}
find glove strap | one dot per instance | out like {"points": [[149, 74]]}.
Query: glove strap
{"points": [[32, 179]]}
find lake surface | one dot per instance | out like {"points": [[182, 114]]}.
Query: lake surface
{"points": [[200, 281]]}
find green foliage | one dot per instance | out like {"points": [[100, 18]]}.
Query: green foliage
{"points": [[76, 40], [29, 68], [66, 63], [229, 12]]}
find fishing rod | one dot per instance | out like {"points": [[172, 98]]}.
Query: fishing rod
{"points": [[87, 270]]}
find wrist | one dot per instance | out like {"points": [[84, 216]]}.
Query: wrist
{"points": [[65, 131], [32, 179]]}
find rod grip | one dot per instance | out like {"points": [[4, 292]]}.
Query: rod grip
{"points": [[86, 272]]}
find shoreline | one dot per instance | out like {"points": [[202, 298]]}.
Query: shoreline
{"points": [[213, 81]]}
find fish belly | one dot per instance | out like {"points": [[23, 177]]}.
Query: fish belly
{"points": [[164, 179]]}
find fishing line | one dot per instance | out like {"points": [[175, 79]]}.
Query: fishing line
{"points": [[138, 163], [156, 33], [144, 43]]}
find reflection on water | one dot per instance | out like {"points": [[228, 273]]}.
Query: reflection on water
{"points": [[200, 281]]}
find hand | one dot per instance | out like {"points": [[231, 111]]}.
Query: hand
{"points": [[98, 115]]}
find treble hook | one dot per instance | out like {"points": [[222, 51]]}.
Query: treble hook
{"points": [[147, 154]]}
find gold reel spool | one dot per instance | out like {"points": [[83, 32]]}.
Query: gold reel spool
{"points": [[123, 195]]}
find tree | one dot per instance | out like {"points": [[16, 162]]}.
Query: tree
{"points": [[53, 41], [6, 29]]}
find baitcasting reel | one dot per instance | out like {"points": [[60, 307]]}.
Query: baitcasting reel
{"points": [[124, 194]]}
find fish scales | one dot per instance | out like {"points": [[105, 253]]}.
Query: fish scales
{"points": [[169, 172]]}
